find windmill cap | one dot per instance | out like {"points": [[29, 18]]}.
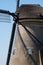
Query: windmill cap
{"points": [[30, 11]]}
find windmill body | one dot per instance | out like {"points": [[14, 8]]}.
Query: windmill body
{"points": [[29, 38]]}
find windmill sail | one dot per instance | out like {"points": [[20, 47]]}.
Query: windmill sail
{"points": [[4, 17]]}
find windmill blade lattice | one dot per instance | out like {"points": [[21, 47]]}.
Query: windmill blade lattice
{"points": [[5, 18]]}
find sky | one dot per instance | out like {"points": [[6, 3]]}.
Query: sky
{"points": [[6, 28]]}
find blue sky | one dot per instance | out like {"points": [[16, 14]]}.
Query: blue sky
{"points": [[5, 28]]}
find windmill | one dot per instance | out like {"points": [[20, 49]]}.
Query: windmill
{"points": [[16, 19]]}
